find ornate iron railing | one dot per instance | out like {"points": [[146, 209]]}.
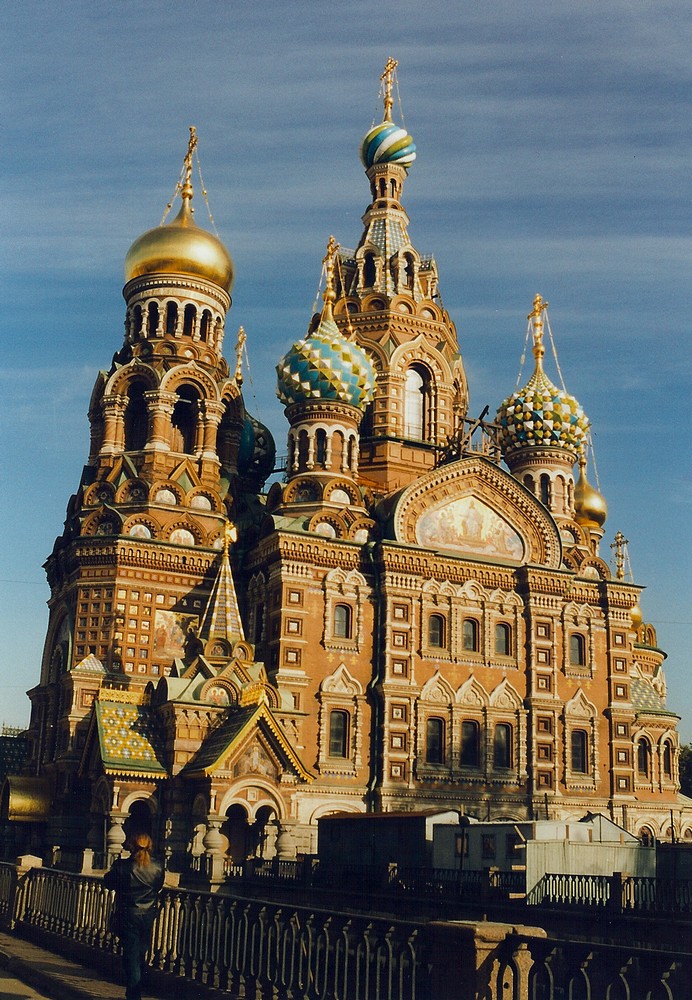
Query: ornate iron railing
{"points": [[620, 893], [244, 947]]}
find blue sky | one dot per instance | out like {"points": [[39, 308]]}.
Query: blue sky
{"points": [[553, 157]]}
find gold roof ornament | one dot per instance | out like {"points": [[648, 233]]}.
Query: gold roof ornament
{"points": [[387, 79], [181, 246]]}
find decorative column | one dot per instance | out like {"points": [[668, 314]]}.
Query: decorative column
{"points": [[114, 424], [115, 838], [213, 849], [160, 406], [211, 415], [285, 841]]}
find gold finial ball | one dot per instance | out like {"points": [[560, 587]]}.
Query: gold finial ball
{"points": [[181, 247]]}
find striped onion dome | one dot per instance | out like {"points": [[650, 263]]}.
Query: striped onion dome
{"points": [[326, 365], [387, 143]]}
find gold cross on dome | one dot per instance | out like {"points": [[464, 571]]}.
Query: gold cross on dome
{"points": [[387, 79]]}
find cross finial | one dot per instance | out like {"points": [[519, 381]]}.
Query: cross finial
{"points": [[329, 262], [619, 547], [240, 343], [387, 79], [186, 191], [536, 319]]}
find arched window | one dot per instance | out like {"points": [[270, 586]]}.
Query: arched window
{"points": [[469, 635], [137, 322], [320, 447], [577, 650], [417, 404], [530, 484], [545, 489], [136, 417], [644, 757], [503, 639], [667, 759], [184, 420], [434, 741], [369, 271], [502, 746], [189, 317], [204, 325], [647, 837], [171, 318], [436, 631], [470, 744], [580, 752], [153, 319], [342, 621], [338, 733]]}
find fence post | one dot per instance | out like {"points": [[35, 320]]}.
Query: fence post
{"points": [[616, 892], [468, 958]]}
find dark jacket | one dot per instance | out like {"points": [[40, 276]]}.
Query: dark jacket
{"points": [[136, 888]]}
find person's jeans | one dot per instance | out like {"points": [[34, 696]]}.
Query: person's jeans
{"points": [[135, 936]]}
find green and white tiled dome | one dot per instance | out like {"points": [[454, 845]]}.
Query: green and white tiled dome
{"points": [[326, 365]]}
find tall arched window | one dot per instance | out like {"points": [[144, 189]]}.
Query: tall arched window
{"points": [[338, 733], [436, 631], [171, 318], [667, 760], [184, 420], [470, 744], [342, 621], [580, 752], [644, 757], [545, 489], [502, 746], [577, 650], [320, 446], [136, 417], [469, 635], [189, 317], [153, 318], [417, 403], [434, 741], [369, 271], [503, 639]]}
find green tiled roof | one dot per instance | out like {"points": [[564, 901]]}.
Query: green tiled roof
{"points": [[128, 739]]}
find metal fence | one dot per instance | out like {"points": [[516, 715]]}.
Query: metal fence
{"points": [[249, 948]]}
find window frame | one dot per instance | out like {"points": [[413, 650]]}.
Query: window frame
{"points": [[435, 742], [339, 740], [503, 755]]}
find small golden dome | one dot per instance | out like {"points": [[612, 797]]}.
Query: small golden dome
{"points": [[590, 506], [180, 247], [636, 615]]}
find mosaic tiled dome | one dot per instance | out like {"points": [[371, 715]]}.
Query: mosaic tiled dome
{"points": [[326, 366], [541, 414], [257, 452], [387, 143]]}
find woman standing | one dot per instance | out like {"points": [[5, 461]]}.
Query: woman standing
{"points": [[137, 881]]}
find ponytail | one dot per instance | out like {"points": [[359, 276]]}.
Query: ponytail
{"points": [[141, 846]]}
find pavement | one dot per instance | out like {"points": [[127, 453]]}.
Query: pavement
{"points": [[33, 973]]}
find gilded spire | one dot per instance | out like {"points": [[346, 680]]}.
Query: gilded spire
{"points": [[387, 79], [536, 318]]}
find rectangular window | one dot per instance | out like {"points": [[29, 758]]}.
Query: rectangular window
{"points": [[470, 744], [580, 751], [488, 846]]}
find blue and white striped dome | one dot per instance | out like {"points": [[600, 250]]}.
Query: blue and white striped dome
{"points": [[387, 143]]}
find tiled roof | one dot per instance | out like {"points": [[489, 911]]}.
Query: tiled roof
{"points": [[128, 739], [646, 699]]}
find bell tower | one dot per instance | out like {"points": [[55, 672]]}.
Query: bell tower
{"points": [[388, 299]]}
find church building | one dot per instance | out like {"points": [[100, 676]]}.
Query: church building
{"points": [[412, 614]]}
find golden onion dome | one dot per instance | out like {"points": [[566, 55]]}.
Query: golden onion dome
{"points": [[636, 616], [180, 246], [589, 505]]}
